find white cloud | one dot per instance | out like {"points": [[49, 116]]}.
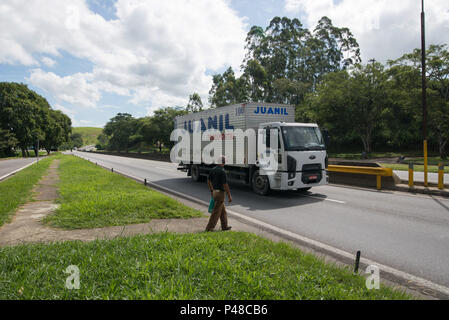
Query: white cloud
{"points": [[76, 89], [384, 29], [71, 113], [154, 52], [48, 62]]}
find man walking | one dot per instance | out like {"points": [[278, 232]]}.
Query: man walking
{"points": [[218, 185]]}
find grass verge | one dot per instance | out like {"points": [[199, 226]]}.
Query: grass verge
{"points": [[92, 197], [167, 266], [417, 168], [16, 190], [18, 155], [373, 155]]}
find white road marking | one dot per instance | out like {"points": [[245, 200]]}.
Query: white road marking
{"points": [[327, 199], [15, 171], [169, 170]]}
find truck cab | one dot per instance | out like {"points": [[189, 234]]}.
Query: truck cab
{"points": [[301, 158]]}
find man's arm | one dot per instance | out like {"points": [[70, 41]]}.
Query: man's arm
{"points": [[228, 192], [211, 188]]}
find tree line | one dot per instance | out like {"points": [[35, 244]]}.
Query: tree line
{"points": [[27, 121], [124, 131], [364, 106]]}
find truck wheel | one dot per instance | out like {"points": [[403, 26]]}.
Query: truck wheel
{"points": [[196, 174], [260, 184]]}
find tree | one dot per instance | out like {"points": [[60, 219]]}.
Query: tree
{"points": [[149, 130], [7, 143], [227, 89], [57, 130], [163, 124], [352, 104], [77, 140], [103, 141], [119, 131], [25, 114], [137, 139], [285, 61], [257, 79], [195, 104], [438, 89], [404, 121]]}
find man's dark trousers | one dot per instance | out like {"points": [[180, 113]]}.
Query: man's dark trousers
{"points": [[219, 211]]}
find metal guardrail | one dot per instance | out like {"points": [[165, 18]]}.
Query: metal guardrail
{"points": [[374, 171]]}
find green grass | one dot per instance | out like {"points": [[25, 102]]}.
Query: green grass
{"points": [[431, 160], [89, 134], [373, 155], [19, 155], [167, 266], [417, 168], [93, 197], [16, 190]]}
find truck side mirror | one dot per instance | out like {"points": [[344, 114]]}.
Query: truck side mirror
{"points": [[268, 137], [326, 137]]}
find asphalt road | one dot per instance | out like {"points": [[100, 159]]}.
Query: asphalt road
{"points": [[406, 232], [8, 166]]}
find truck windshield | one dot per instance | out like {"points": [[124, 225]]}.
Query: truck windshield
{"points": [[302, 139]]}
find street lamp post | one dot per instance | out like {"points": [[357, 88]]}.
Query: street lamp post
{"points": [[424, 89]]}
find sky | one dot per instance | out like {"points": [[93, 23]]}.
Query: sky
{"points": [[95, 58]]}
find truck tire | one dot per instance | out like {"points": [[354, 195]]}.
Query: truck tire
{"points": [[196, 174], [260, 184]]}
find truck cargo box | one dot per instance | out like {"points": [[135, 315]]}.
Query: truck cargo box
{"points": [[239, 116]]}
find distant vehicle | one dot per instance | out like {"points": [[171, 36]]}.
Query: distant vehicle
{"points": [[301, 153]]}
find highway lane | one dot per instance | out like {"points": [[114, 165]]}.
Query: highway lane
{"points": [[8, 166], [407, 232]]}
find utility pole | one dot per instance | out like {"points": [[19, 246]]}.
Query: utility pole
{"points": [[424, 93]]}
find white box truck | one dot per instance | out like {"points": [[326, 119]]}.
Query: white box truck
{"points": [[301, 148]]}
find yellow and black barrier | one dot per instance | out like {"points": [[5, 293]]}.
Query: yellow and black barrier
{"points": [[379, 172], [441, 176], [411, 182]]}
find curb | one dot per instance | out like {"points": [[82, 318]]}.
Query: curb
{"points": [[422, 190], [423, 286], [15, 171]]}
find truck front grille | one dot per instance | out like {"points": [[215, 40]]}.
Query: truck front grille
{"points": [[311, 173]]}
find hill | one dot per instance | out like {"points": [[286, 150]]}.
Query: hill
{"points": [[89, 134]]}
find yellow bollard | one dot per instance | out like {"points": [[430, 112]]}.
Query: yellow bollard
{"points": [[379, 182], [441, 176], [411, 183]]}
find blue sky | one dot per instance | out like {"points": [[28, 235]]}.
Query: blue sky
{"points": [[95, 58]]}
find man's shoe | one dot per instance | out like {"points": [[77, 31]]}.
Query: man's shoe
{"points": [[226, 229]]}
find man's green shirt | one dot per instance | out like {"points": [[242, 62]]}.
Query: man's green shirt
{"points": [[217, 177]]}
